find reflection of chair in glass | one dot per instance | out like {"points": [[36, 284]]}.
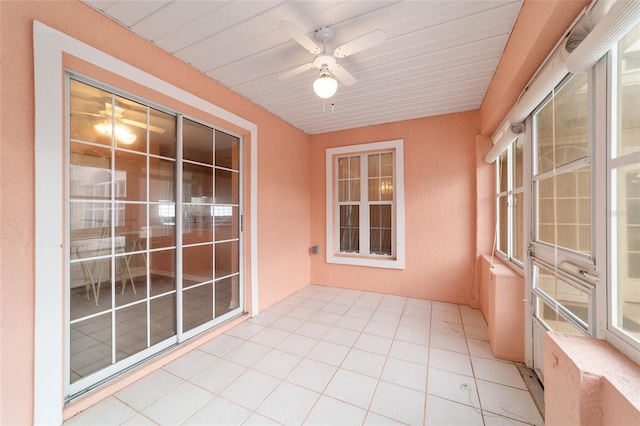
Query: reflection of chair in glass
{"points": [[98, 251], [136, 245], [89, 248]]}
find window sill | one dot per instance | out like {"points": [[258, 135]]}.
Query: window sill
{"points": [[373, 262], [498, 255]]}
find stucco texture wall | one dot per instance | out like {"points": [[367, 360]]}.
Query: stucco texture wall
{"points": [[283, 181], [439, 179]]}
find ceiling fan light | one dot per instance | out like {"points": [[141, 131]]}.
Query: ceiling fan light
{"points": [[124, 135], [325, 86]]}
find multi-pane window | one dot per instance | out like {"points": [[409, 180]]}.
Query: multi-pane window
{"points": [[365, 206], [365, 186], [510, 202], [563, 265], [562, 167], [625, 189]]}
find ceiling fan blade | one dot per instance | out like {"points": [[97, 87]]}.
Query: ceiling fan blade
{"points": [[361, 43], [142, 125], [298, 35], [343, 75], [295, 71]]}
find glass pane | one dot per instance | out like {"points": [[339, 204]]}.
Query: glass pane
{"points": [[350, 216], [374, 216], [197, 264], [134, 221], [349, 228], [343, 190], [386, 164], [161, 230], [198, 223], [198, 142], [197, 186], [197, 306], [503, 245], [354, 190], [354, 166], [161, 180], [386, 189], [518, 226], [227, 258], [88, 283], [162, 134], [349, 179], [227, 187], [227, 222], [380, 229], [89, 220], [561, 125], [564, 210], [131, 330], [227, 295], [628, 93], [374, 189], [129, 124], [163, 318], [503, 172], [162, 266], [129, 287], [572, 298], [518, 155], [227, 150], [87, 107], [89, 243], [554, 320], [131, 270], [89, 172], [626, 230], [130, 181], [90, 346], [374, 165], [343, 168]]}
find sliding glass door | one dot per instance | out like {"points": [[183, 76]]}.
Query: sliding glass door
{"points": [[153, 231]]}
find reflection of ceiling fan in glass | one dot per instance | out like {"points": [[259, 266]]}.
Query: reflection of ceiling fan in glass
{"points": [[116, 123], [325, 86]]}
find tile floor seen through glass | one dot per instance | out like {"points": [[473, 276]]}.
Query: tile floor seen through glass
{"points": [[328, 356]]}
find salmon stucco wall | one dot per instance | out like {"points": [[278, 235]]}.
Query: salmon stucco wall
{"points": [[588, 382], [439, 182], [283, 180]]}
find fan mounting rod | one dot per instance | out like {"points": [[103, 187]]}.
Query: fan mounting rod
{"points": [[324, 35]]}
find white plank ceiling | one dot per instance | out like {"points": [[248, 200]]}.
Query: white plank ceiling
{"points": [[438, 57]]}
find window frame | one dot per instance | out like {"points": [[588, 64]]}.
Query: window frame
{"points": [[615, 161], [510, 193], [333, 254]]}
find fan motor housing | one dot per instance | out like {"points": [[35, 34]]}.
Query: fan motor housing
{"points": [[324, 59]]}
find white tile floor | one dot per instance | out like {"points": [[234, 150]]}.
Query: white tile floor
{"points": [[327, 356]]}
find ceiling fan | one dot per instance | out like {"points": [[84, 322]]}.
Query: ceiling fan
{"points": [[118, 114], [324, 61]]}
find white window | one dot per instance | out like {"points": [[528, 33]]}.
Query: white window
{"points": [[365, 205], [624, 220], [510, 202]]}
